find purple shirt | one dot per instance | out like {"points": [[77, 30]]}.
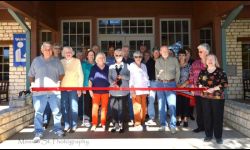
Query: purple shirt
{"points": [[195, 70], [99, 78]]}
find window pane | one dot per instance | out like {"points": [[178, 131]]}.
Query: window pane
{"points": [[72, 40], [164, 26], [141, 22], [149, 30], [118, 44], [118, 30], [87, 40], [6, 68], [125, 23], [86, 28], [149, 23], [102, 30], [132, 45], [133, 22], [171, 26], [110, 30], [44, 39], [103, 23], [141, 30], [79, 40], [178, 37], [147, 44], [133, 30], [6, 76], [202, 34], [171, 39], [73, 28], [49, 36], [66, 40], [185, 39], [104, 45], [184, 26], [125, 30], [177, 26], [79, 28], [65, 28], [208, 34]]}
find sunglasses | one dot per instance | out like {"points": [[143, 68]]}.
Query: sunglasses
{"points": [[118, 55], [138, 57]]}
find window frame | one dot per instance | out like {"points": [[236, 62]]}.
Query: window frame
{"points": [[176, 19], [76, 21]]}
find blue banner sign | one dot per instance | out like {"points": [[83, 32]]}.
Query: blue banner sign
{"points": [[19, 49]]}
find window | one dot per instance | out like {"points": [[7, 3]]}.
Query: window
{"points": [[206, 36], [174, 30], [45, 36], [76, 34], [125, 26], [4, 63], [246, 61]]}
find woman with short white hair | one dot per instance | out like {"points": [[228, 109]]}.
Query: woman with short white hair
{"points": [[139, 79], [73, 78], [99, 78]]}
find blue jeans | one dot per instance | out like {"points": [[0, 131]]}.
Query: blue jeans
{"points": [[47, 114], [39, 103], [167, 98], [130, 106], [69, 109], [151, 100]]}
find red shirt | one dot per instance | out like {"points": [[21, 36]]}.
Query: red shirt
{"points": [[195, 70]]}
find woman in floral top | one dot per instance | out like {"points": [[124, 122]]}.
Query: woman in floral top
{"points": [[215, 80]]}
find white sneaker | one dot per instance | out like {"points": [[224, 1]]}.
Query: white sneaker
{"points": [[173, 130], [93, 128], [150, 123], [131, 123], [138, 128], [37, 137]]}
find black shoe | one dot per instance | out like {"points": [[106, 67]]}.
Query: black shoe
{"points": [[72, 131], [198, 130], [45, 125], [121, 131], [219, 141], [185, 124], [178, 123], [207, 139], [113, 130]]}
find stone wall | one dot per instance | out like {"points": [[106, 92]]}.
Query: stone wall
{"points": [[17, 75], [238, 28], [12, 120], [237, 115]]}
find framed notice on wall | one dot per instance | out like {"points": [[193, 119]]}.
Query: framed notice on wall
{"points": [[19, 50]]}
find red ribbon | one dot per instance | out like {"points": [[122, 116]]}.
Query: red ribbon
{"points": [[36, 89]]}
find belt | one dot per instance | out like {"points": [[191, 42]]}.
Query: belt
{"points": [[171, 80]]}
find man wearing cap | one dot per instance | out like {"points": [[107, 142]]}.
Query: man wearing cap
{"points": [[167, 71]]}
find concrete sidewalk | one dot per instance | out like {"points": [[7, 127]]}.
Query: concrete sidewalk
{"points": [[151, 138]]}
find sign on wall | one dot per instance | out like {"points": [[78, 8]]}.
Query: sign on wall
{"points": [[19, 49]]}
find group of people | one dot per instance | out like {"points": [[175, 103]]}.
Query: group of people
{"points": [[162, 69]]}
